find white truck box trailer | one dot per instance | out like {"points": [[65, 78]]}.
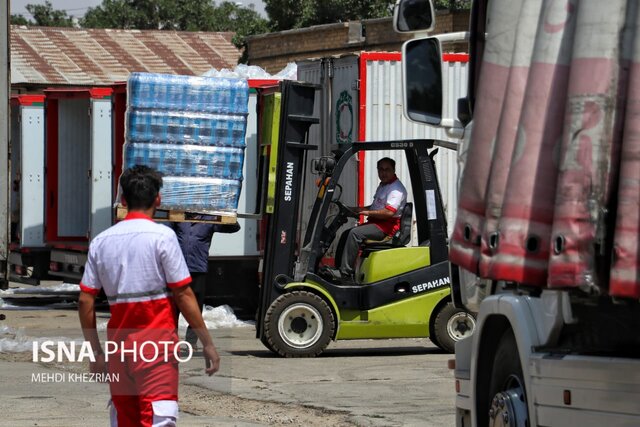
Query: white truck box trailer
{"points": [[28, 255]]}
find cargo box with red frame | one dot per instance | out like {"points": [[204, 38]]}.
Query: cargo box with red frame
{"points": [[28, 255], [80, 180]]}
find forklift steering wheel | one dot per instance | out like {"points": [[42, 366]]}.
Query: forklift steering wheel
{"points": [[345, 210]]}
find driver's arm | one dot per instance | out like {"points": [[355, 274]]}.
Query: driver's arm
{"points": [[359, 209], [378, 214]]}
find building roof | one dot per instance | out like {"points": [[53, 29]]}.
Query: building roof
{"points": [[73, 56]]}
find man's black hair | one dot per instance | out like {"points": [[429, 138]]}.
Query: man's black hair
{"points": [[140, 186], [387, 159]]}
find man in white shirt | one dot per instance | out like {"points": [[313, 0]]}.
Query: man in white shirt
{"points": [[142, 271], [383, 217]]}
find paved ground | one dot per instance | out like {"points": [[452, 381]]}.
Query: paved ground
{"points": [[364, 383]]}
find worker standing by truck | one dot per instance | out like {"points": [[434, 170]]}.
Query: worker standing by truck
{"points": [[195, 240], [139, 266]]}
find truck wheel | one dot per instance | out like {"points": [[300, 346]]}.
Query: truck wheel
{"points": [[452, 324], [299, 324], [508, 400]]}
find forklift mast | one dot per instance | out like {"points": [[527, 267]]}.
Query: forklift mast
{"points": [[279, 252]]}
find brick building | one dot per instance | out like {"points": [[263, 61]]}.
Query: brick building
{"points": [[274, 50]]}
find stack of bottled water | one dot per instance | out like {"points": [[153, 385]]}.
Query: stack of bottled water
{"points": [[192, 130]]}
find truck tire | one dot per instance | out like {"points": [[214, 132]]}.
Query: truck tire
{"points": [[299, 324], [451, 324], [507, 396]]}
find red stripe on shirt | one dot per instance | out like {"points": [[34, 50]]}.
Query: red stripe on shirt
{"points": [[89, 290], [182, 282], [391, 208], [143, 321], [388, 227], [136, 215]]}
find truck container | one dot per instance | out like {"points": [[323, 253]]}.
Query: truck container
{"points": [[28, 255], [79, 183], [546, 241]]}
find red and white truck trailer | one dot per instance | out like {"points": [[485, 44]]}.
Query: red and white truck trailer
{"points": [[546, 241], [28, 254], [79, 174]]}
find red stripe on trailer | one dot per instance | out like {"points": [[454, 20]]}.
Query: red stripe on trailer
{"points": [[28, 99], [397, 56], [455, 57], [380, 56], [258, 83], [100, 92], [51, 150], [362, 123], [119, 110], [79, 92]]}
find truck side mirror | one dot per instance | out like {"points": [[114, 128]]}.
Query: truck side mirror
{"points": [[413, 15], [422, 80]]}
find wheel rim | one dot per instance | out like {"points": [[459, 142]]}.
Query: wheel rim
{"points": [[509, 407], [300, 325], [460, 325]]}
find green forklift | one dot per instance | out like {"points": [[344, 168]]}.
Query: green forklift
{"points": [[399, 291]]}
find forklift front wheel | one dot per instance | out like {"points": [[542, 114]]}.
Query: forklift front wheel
{"points": [[299, 324]]}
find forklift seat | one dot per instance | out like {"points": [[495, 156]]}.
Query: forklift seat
{"points": [[399, 239]]}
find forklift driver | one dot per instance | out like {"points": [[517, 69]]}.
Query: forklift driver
{"points": [[383, 218]]}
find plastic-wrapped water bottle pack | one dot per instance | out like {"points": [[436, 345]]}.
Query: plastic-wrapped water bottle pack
{"points": [[180, 127], [192, 130], [208, 195], [216, 95], [187, 160]]}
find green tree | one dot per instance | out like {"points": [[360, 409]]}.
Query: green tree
{"points": [[17, 19], [284, 14], [45, 15], [241, 20], [178, 15], [287, 14], [131, 14]]}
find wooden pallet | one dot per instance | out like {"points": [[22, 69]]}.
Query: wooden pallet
{"points": [[172, 215]]}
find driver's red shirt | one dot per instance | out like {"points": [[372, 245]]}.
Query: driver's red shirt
{"points": [[393, 197]]}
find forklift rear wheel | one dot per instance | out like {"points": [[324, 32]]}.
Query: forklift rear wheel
{"points": [[299, 324], [265, 342], [452, 324]]}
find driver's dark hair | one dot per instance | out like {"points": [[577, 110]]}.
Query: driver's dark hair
{"points": [[140, 186], [387, 159]]}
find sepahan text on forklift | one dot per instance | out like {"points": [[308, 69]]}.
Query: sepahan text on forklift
{"points": [[288, 183], [443, 281]]}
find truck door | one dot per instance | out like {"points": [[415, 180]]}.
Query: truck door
{"points": [[30, 167], [100, 166]]}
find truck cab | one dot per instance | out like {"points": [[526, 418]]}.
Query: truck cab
{"points": [[545, 245]]}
